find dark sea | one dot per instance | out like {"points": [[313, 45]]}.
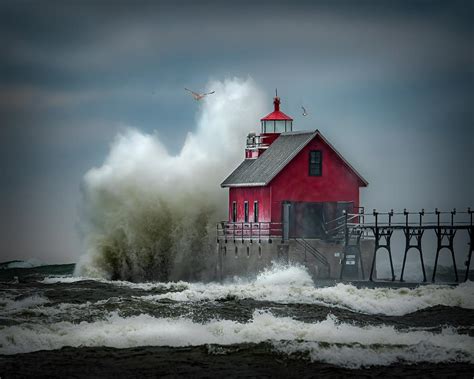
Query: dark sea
{"points": [[278, 324]]}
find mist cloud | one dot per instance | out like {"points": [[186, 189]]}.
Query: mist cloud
{"points": [[145, 209]]}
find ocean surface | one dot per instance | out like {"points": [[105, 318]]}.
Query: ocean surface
{"points": [[278, 324]]}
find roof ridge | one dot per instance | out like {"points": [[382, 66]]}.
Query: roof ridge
{"points": [[262, 170], [299, 132]]}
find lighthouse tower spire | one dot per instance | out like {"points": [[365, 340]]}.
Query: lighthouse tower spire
{"points": [[276, 102]]}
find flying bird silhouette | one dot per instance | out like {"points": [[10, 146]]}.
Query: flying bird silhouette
{"points": [[304, 111], [199, 96]]}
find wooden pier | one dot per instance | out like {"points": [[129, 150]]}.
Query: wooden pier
{"points": [[380, 226]]}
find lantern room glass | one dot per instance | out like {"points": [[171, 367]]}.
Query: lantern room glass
{"points": [[280, 126], [277, 126], [269, 126]]}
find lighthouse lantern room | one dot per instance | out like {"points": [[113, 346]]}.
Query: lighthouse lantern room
{"points": [[277, 121]]}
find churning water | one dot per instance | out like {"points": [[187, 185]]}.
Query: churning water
{"points": [[279, 323]]}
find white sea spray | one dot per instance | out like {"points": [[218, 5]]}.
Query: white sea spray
{"points": [[148, 214], [328, 340]]}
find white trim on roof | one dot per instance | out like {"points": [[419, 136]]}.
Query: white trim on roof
{"points": [[246, 185]]}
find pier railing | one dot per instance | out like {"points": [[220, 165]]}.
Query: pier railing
{"points": [[249, 230], [335, 229], [400, 220]]}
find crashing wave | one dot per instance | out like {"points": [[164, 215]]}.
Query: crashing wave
{"points": [[328, 341], [147, 214], [293, 284]]}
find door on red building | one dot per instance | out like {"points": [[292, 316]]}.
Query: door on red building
{"points": [[305, 220], [312, 219]]}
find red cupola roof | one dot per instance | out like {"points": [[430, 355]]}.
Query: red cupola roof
{"points": [[276, 114]]}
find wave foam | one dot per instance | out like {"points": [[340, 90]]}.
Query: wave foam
{"points": [[11, 305], [328, 341], [147, 286], [294, 275], [293, 285]]}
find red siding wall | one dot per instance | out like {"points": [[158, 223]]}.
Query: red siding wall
{"points": [[293, 183], [251, 194]]}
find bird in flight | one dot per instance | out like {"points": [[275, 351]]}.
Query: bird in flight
{"points": [[199, 96], [304, 111]]}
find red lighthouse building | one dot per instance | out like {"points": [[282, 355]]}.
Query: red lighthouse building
{"points": [[297, 178], [289, 188]]}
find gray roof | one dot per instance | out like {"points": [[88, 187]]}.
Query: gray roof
{"points": [[260, 171]]}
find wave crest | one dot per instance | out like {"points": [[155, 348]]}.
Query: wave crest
{"points": [[329, 340]]}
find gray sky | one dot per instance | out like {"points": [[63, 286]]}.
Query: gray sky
{"points": [[389, 83]]}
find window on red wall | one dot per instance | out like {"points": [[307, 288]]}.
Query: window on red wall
{"points": [[315, 163], [255, 211], [246, 211], [234, 211]]}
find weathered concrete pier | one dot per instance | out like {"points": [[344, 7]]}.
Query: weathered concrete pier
{"points": [[350, 246]]}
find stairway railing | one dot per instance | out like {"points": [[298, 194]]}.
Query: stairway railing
{"points": [[314, 252]]}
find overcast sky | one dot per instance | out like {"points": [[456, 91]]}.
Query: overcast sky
{"points": [[390, 84]]}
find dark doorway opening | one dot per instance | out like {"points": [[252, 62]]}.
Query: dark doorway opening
{"points": [[316, 220]]}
